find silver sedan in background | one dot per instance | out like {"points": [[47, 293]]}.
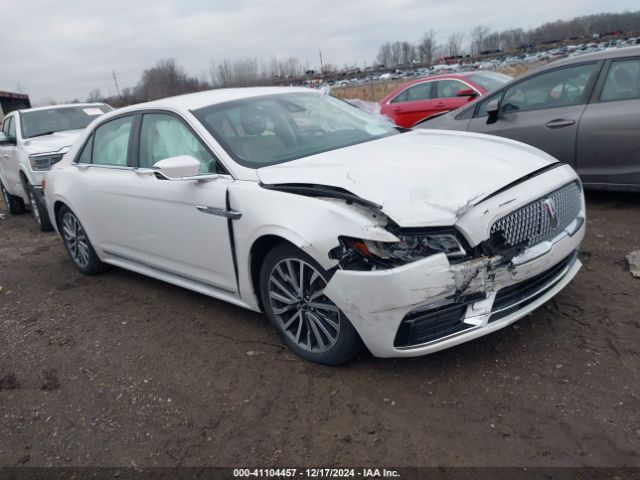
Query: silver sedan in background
{"points": [[584, 111]]}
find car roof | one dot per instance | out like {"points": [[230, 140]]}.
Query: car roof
{"points": [[601, 55], [441, 76], [192, 101], [66, 105]]}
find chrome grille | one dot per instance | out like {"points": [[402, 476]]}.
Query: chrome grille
{"points": [[534, 223]]}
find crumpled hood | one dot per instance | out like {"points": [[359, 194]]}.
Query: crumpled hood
{"points": [[52, 143], [420, 178]]}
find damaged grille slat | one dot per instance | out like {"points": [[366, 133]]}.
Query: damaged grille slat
{"points": [[541, 219]]}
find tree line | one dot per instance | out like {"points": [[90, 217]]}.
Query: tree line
{"points": [[482, 40], [167, 77]]}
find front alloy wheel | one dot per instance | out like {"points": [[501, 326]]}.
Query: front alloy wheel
{"points": [[292, 288], [306, 315], [77, 243]]}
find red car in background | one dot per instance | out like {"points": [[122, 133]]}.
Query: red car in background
{"points": [[420, 99]]}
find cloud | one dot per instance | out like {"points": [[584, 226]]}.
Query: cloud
{"points": [[64, 49]]}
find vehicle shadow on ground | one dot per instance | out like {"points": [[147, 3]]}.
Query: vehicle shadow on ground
{"points": [[245, 326]]}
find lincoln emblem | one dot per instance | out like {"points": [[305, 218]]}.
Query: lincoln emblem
{"points": [[550, 208]]}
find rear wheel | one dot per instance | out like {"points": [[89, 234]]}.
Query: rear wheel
{"points": [[292, 290], [39, 210], [14, 204], [77, 243]]}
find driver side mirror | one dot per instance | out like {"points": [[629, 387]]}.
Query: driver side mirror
{"points": [[467, 92], [493, 111], [181, 167]]}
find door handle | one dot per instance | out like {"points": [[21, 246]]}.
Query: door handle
{"points": [[396, 109], [219, 212], [559, 123], [440, 104]]}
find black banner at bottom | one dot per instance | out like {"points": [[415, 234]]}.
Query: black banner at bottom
{"points": [[305, 473]]}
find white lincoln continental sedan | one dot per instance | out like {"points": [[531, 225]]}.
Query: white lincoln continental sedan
{"points": [[343, 229]]}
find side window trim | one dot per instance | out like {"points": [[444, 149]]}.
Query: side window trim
{"points": [[133, 149]]}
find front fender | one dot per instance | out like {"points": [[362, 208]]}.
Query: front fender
{"points": [[311, 224]]}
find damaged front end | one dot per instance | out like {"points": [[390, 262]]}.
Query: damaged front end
{"points": [[424, 289], [431, 289]]}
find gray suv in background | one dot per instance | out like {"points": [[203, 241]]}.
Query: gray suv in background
{"points": [[584, 111]]}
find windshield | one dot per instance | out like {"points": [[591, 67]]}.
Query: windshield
{"points": [[273, 129], [51, 120], [489, 80]]}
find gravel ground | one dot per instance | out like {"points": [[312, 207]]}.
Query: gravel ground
{"points": [[123, 370]]}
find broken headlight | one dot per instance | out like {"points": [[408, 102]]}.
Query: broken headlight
{"points": [[390, 254], [44, 161]]}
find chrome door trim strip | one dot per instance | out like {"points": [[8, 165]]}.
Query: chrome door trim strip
{"points": [[169, 271], [219, 212]]}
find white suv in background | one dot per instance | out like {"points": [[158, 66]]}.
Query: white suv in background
{"points": [[31, 141]]}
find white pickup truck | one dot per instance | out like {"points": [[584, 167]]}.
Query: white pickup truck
{"points": [[31, 141]]}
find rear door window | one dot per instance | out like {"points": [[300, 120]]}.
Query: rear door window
{"points": [[422, 91]]}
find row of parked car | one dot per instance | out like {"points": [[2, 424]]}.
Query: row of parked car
{"points": [[345, 229], [498, 63], [583, 110]]}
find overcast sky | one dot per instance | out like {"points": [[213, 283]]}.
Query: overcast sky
{"points": [[64, 49]]}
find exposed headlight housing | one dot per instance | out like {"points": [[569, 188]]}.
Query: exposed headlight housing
{"points": [[44, 161], [414, 247], [371, 254]]}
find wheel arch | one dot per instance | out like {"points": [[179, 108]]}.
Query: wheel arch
{"points": [[25, 181], [258, 251]]}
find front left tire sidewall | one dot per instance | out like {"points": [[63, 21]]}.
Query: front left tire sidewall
{"points": [[95, 265], [348, 344], [15, 205]]}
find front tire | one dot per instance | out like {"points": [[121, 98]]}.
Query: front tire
{"points": [[308, 322], [77, 243], [14, 204], [38, 210]]}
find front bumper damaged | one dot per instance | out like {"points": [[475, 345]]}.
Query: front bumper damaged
{"points": [[430, 304]]}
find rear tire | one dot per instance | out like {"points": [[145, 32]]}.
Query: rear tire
{"points": [[308, 322], [14, 204], [77, 243], [39, 210]]}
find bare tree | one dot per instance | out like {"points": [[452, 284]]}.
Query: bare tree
{"points": [[478, 36], [454, 44], [95, 96], [427, 47], [396, 52], [384, 55]]}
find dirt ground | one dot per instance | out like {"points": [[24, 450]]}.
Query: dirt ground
{"points": [[123, 370]]}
